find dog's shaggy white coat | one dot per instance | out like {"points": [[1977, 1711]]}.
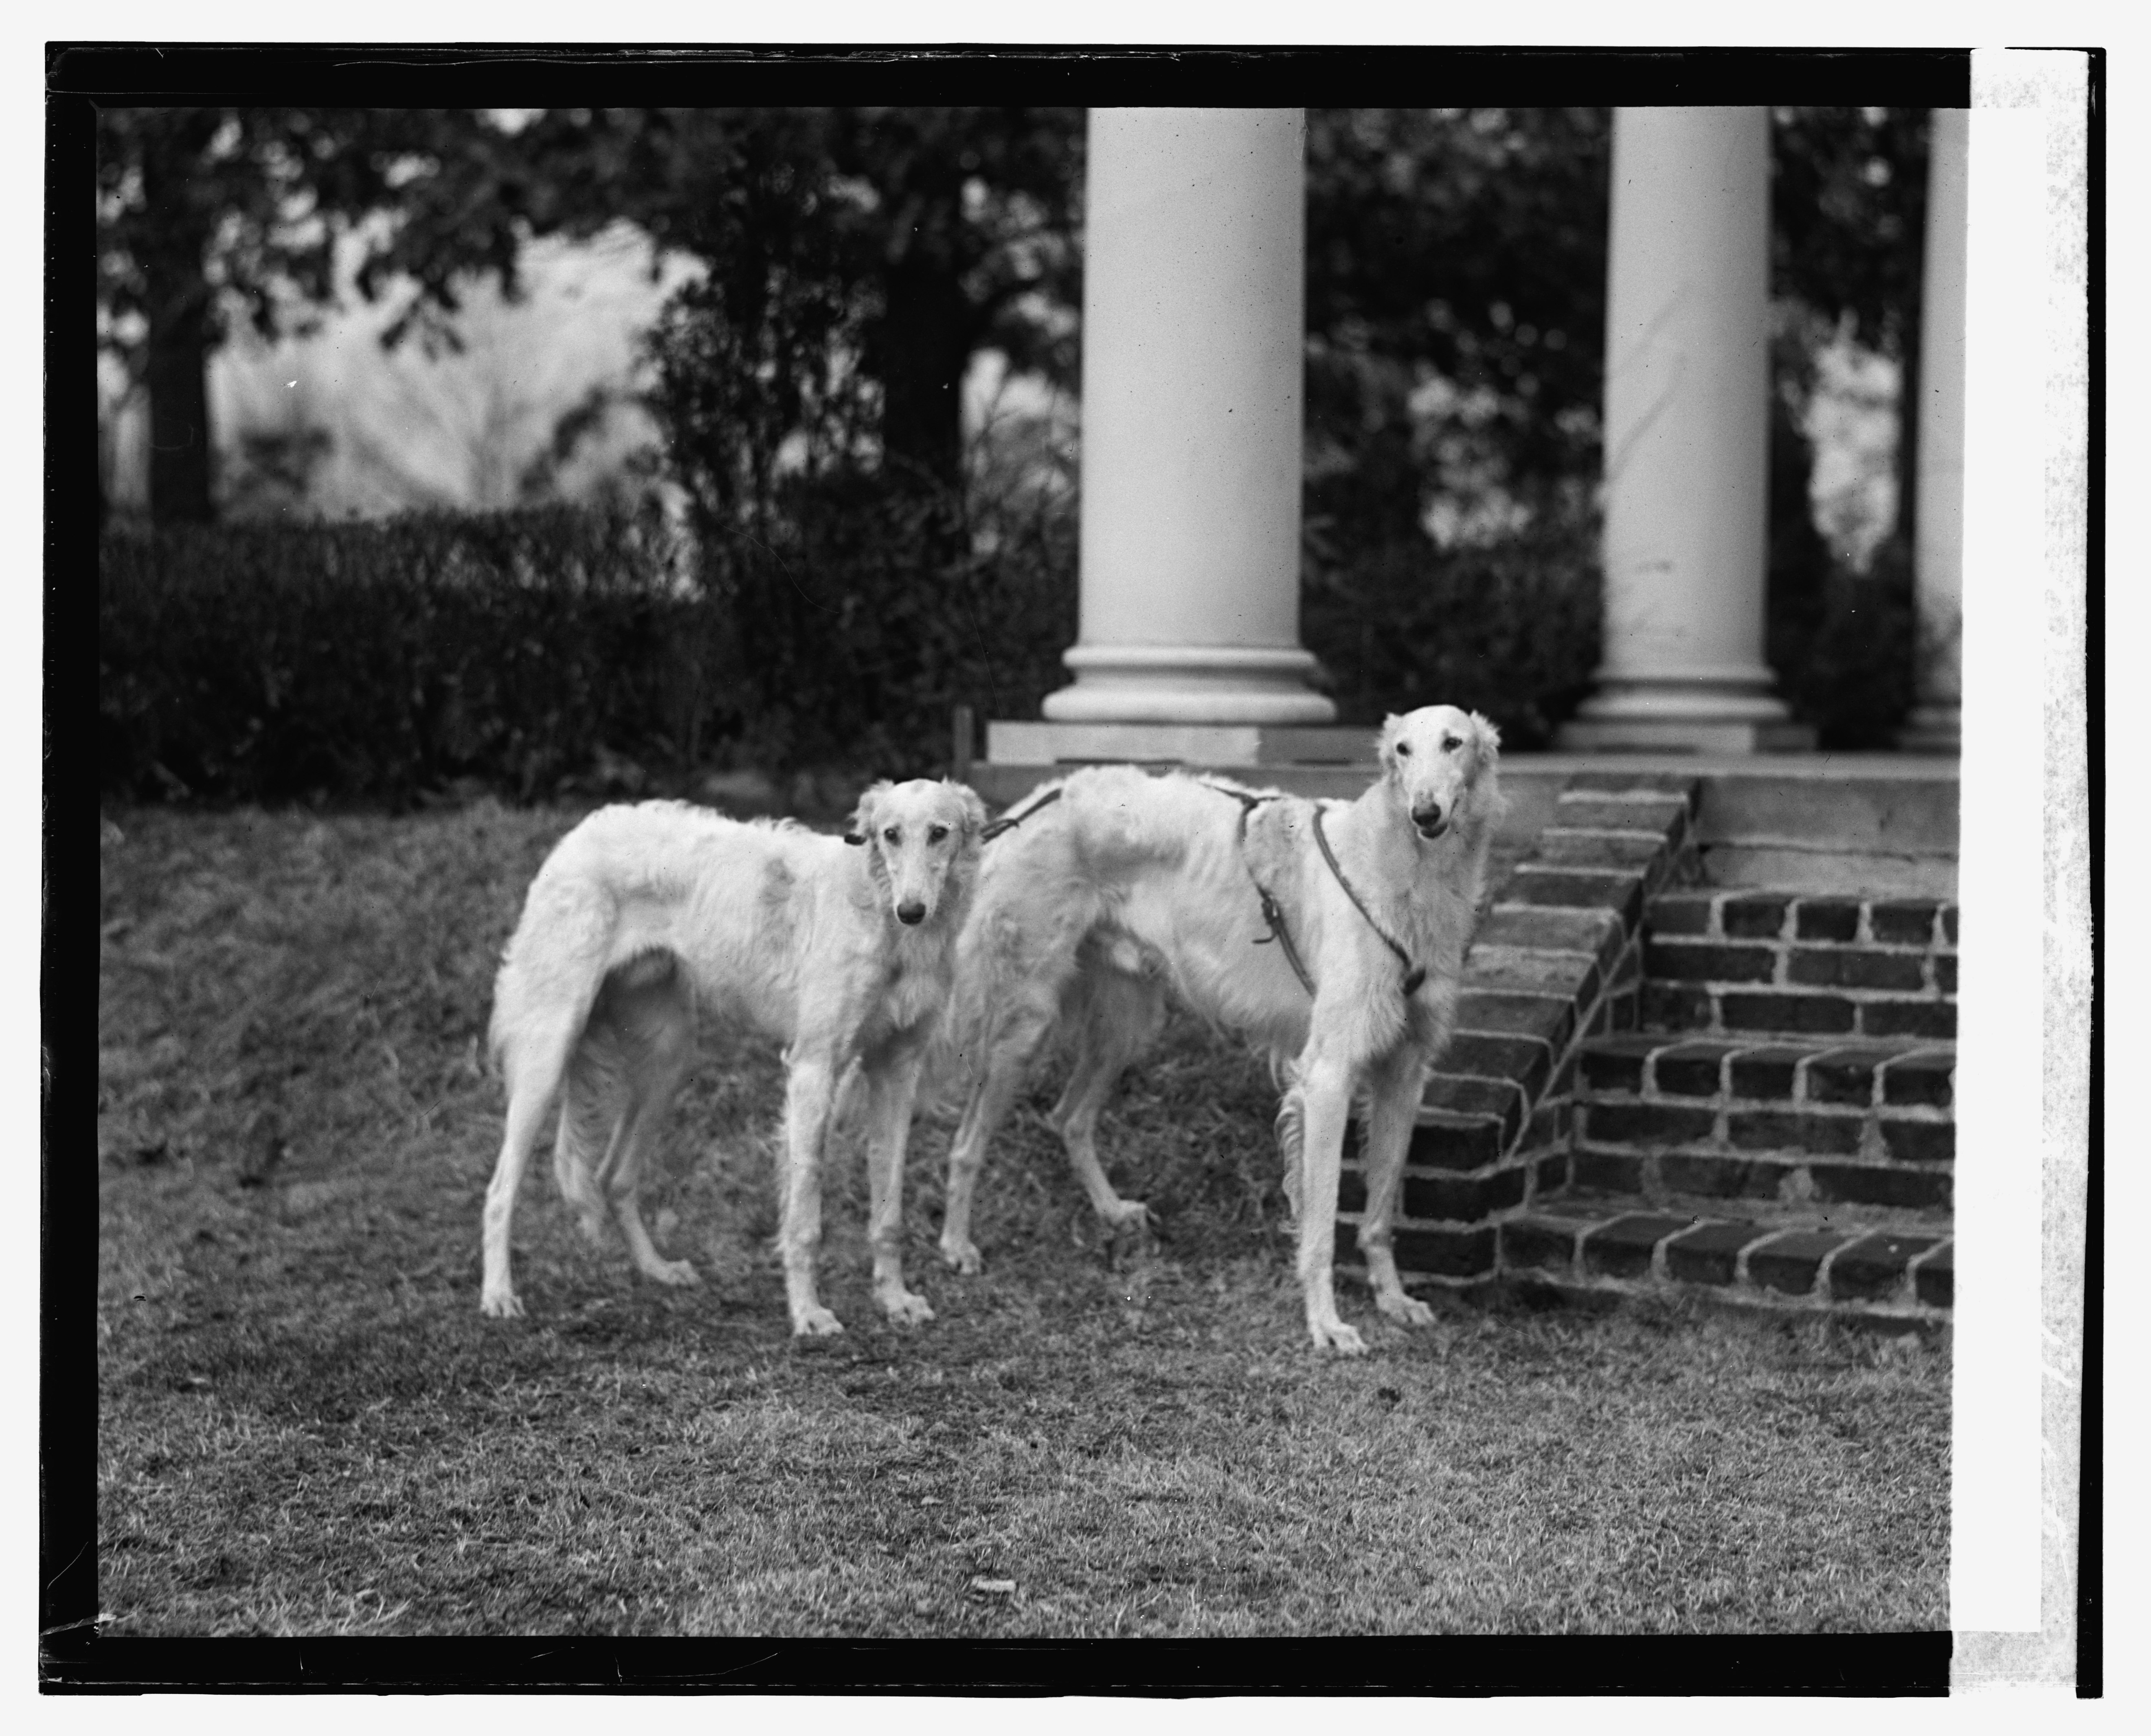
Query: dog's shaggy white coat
{"points": [[644, 917], [1127, 886]]}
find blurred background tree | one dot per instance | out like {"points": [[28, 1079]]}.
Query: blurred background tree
{"points": [[207, 216], [1456, 270], [1848, 203], [943, 232], [1455, 313]]}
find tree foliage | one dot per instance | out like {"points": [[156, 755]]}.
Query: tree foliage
{"points": [[1848, 208], [939, 228], [209, 215], [1847, 252], [1468, 244], [1455, 316], [938, 231]]}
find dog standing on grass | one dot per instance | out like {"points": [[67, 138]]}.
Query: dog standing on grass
{"points": [[646, 916], [1111, 888]]}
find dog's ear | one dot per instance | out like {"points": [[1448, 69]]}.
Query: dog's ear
{"points": [[1487, 739], [974, 810], [866, 818], [1385, 743]]}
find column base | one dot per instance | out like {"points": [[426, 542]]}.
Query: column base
{"points": [[1684, 735], [1188, 684], [1933, 728], [1011, 742], [1713, 710]]}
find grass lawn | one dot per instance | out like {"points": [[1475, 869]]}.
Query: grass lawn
{"points": [[305, 1427]]}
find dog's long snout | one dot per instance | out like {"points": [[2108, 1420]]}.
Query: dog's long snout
{"points": [[1430, 819], [911, 912]]}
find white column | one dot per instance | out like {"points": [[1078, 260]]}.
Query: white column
{"points": [[1688, 383], [1193, 293], [1938, 506]]}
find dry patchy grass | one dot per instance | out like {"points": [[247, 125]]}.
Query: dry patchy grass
{"points": [[306, 1426]]}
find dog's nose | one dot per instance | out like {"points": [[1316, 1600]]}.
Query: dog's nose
{"points": [[1428, 818], [911, 912]]}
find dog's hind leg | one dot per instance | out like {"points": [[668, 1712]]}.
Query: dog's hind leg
{"points": [[593, 1105], [1119, 1015], [999, 1079], [892, 1085], [809, 1092], [1395, 1084], [535, 1057], [655, 1022]]}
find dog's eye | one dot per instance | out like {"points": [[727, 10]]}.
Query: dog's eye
{"points": [[1403, 750], [893, 834], [1449, 744], [935, 834]]}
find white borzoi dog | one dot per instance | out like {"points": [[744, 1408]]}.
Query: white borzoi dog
{"points": [[646, 917], [1112, 887]]}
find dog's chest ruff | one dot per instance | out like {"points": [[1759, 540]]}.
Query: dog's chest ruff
{"points": [[913, 985]]}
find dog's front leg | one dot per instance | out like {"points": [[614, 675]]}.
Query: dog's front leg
{"points": [[1394, 1086], [891, 1087], [1325, 1088], [810, 1087]]}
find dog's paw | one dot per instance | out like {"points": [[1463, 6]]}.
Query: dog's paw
{"points": [[815, 1323], [1336, 1335], [905, 1307], [1405, 1310], [962, 1256], [675, 1271], [501, 1305], [1131, 1215]]}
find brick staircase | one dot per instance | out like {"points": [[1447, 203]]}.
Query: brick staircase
{"points": [[1662, 1087]]}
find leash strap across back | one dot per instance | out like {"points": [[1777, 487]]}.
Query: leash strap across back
{"points": [[1273, 912], [1415, 975], [1008, 822]]}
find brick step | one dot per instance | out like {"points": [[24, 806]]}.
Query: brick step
{"points": [[1659, 1115], [1907, 1078], [1556, 957], [1901, 1277], [1809, 1124], [1740, 963], [1744, 916]]}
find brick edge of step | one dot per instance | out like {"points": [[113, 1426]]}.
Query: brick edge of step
{"points": [[1888, 1273]]}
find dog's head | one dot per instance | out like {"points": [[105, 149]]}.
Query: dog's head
{"points": [[1439, 760], [922, 843]]}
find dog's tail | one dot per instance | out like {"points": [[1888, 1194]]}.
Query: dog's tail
{"points": [[1292, 1144], [549, 980], [1292, 1136]]}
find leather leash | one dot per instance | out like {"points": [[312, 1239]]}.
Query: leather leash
{"points": [[1008, 822], [1415, 975], [1273, 912]]}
